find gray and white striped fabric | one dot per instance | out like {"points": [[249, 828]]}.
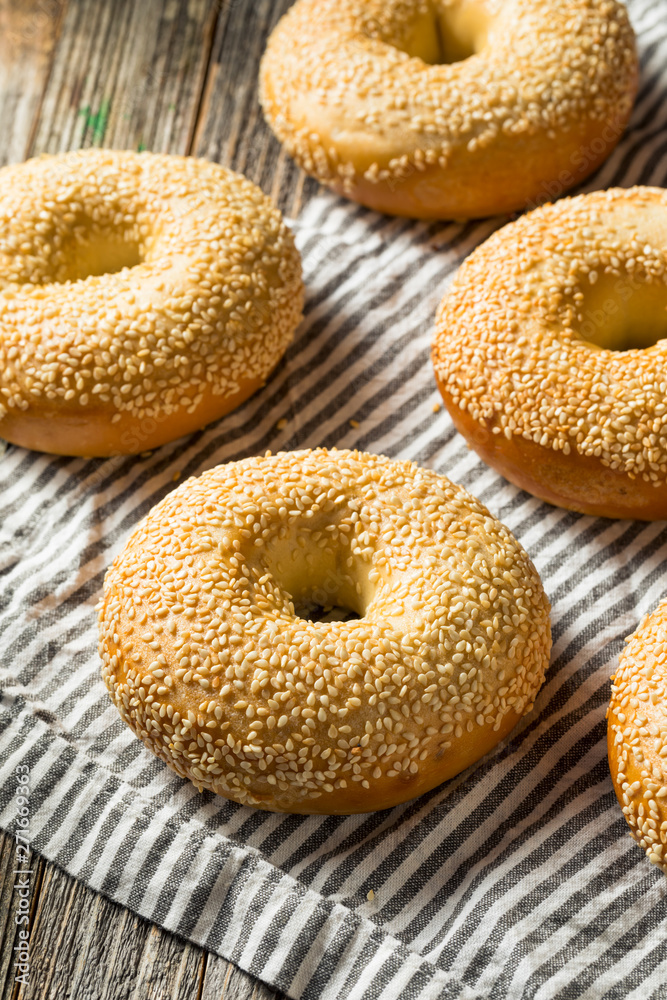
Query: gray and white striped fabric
{"points": [[515, 880]]}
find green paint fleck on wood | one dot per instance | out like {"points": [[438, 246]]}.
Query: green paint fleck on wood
{"points": [[96, 121]]}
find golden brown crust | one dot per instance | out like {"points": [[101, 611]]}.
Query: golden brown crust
{"points": [[637, 735], [208, 662], [141, 297], [91, 435], [539, 352], [349, 88], [489, 181], [573, 481]]}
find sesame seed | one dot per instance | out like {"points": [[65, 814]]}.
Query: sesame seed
{"points": [[382, 111], [576, 400], [311, 715], [88, 239]]}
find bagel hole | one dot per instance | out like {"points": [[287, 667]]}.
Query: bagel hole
{"points": [[319, 583], [621, 314], [325, 597], [448, 33], [104, 255], [315, 611]]}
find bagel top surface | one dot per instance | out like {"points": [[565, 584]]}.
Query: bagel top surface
{"points": [[553, 330], [208, 660], [384, 89], [134, 284]]}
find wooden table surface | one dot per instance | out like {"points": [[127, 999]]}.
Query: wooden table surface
{"points": [[174, 76]]}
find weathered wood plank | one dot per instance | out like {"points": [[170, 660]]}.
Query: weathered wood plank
{"points": [[9, 988], [53, 943], [127, 75], [115, 942], [231, 128], [28, 33], [169, 967], [224, 981], [86, 946], [7, 859]]}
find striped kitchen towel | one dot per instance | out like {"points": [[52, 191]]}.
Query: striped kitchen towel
{"points": [[515, 880]]}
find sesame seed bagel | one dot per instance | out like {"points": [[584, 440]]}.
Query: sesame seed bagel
{"points": [[550, 354], [141, 297], [211, 662], [637, 734], [441, 109]]}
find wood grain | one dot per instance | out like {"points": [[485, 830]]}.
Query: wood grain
{"points": [[127, 75], [8, 901], [176, 76], [231, 128], [28, 34], [224, 981]]}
